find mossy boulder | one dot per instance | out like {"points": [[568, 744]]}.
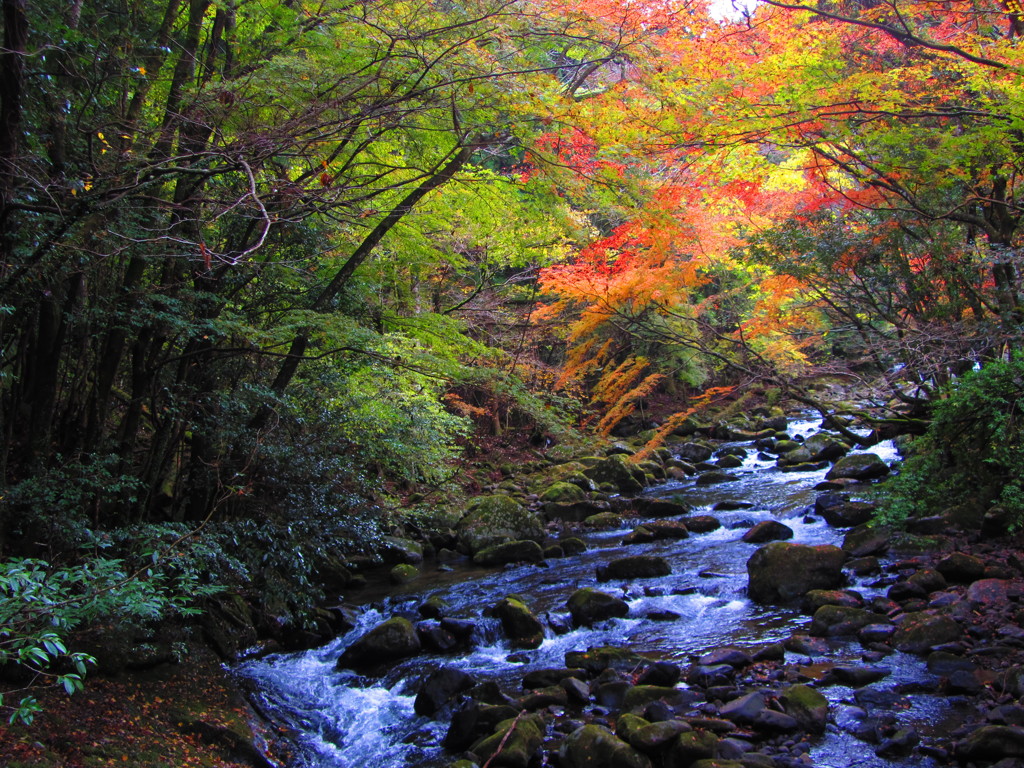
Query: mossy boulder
{"points": [[402, 573], [780, 572], [525, 551], [588, 606], [604, 520], [618, 471], [390, 640], [593, 746], [496, 519], [824, 447], [563, 492], [838, 620], [400, 550], [921, 631], [596, 660], [690, 747], [519, 623], [513, 744], [859, 466]]}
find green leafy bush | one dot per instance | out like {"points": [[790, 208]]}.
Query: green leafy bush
{"points": [[972, 455]]}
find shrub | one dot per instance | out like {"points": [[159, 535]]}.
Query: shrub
{"points": [[972, 455]]}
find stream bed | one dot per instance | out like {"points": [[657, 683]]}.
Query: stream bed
{"points": [[341, 719]]}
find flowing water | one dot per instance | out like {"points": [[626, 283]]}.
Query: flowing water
{"points": [[344, 720]]}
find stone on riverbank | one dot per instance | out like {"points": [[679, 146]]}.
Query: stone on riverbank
{"points": [[515, 751], [767, 530], [780, 571], [519, 623], [491, 520], [807, 706], [619, 471], [593, 746], [838, 620], [920, 632]]}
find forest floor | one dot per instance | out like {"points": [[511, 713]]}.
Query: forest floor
{"points": [[186, 715]]}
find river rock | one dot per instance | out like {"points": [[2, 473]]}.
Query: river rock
{"points": [[694, 452], [816, 598], [439, 687], [561, 491], [513, 744], [604, 520], [959, 568], [838, 620], [435, 638], [652, 737], [596, 660], [840, 512], [638, 697], [734, 657], [524, 551], [595, 747], [690, 747], [991, 742], [395, 550], [543, 678], [715, 477], [491, 520], [921, 631], [807, 706], [648, 507], [855, 676], [767, 530], [703, 524], [928, 579], [744, 709], [574, 511], [988, 592], [588, 606], [393, 639], [729, 462], [825, 447], [780, 571], [864, 540], [663, 673], [522, 627], [666, 529], [859, 466], [619, 471], [635, 567]]}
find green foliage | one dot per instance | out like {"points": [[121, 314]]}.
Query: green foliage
{"points": [[973, 452]]}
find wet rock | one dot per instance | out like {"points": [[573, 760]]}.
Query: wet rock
{"points": [[662, 673], [690, 747], [653, 737], [694, 452], [703, 524], [439, 687], [734, 657], [960, 568], [576, 690], [572, 546], [595, 747], [745, 709], [393, 639], [433, 607], [402, 573], [806, 646], [648, 507], [838, 620], [463, 629], [839, 512], [816, 598], [855, 676], [552, 695], [610, 693], [638, 697], [435, 638], [864, 566], [781, 572], [859, 466], [944, 664], [876, 633], [776, 722], [635, 567], [863, 541], [921, 631], [628, 724], [767, 530], [398, 550], [491, 520], [824, 447], [517, 620], [805, 705], [902, 591], [665, 529], [706, 676], [604, 521], [991, 742], [543, 678], [715, 477], [596, 660], [588, 606], [988, 593], [928, 579], [900, 744], [513, 744], [525, 551]]}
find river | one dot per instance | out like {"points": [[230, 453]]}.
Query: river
{"points": [[344, 720]]}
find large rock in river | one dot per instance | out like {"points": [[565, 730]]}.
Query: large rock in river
{"points": [[859, 466], [513, 744], [491, 520], [780, 572], [393, 639], [635, 567], [619, 471], [589, 605]]}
